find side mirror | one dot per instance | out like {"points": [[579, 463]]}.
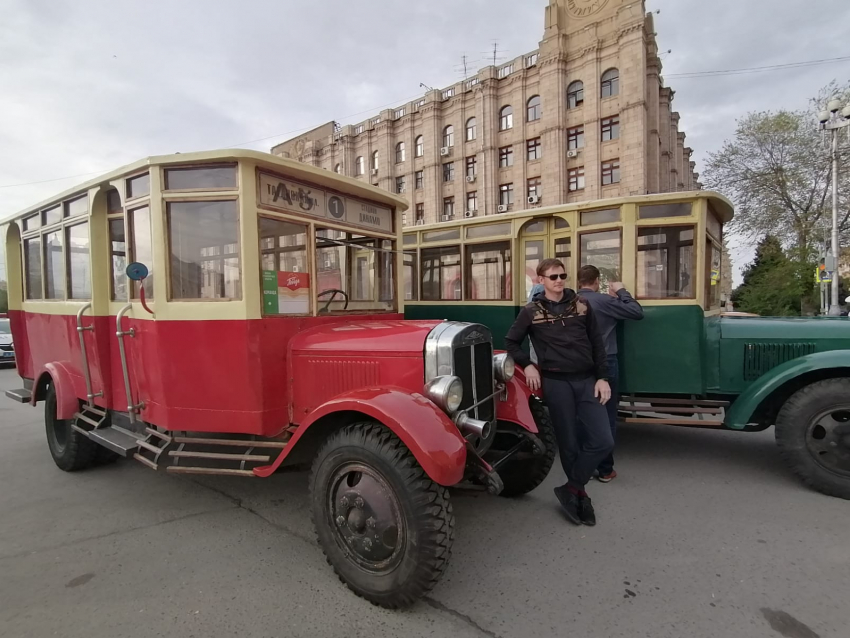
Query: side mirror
{"points": [[137, 271]]}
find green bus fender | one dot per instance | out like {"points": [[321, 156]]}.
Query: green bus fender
{"points": [[744, 407]]}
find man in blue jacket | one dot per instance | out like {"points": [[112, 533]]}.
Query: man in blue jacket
{"points": [[608, 308]]}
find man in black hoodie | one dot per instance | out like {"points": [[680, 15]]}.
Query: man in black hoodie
{"points": [[573, 373]]}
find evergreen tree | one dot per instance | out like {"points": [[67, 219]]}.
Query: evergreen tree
{"points": [[774, 284]]}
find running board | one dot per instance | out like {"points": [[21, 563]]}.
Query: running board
{"points": [[222, 456], [21, 395], [114, 438]]}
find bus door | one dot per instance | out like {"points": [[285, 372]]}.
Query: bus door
{"points": [[543, 238]]}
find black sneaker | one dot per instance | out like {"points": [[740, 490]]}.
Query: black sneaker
{"points": [[585, 511], [569, 503]]}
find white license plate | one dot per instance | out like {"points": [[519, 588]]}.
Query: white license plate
{"points": [[8, 355]]}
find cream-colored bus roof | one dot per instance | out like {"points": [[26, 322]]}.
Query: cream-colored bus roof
{"points": [[292, 169]]}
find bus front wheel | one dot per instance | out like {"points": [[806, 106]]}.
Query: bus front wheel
{"points": [[71, 450], [384, 526]]}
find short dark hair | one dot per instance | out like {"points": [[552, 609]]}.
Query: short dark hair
{"points": [[587, 275], [548, 264]]}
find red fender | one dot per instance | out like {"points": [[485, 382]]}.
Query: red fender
{"points": [[516, 408], [430, 435], [67, 402]]}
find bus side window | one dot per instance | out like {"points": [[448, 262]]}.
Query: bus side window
{"points": [[141, 248], [283, 262]]}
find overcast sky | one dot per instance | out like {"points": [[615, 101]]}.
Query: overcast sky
{"points": [[89, 85]]}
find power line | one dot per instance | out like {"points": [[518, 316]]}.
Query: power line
{"points": [[756, 69]]}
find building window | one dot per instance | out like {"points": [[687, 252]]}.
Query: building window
{"points": [[400, 155], [534, 109], [420, 179], [506, 156], [375, 160], [204, 265], [338, 169], [359, 165], [448, 208], [471, 132], [506, 70], [506, 195], [506, 118], [471, 166], [575, 179], [399, 113], [611, 172], [472, 201], [470, 83], [449, 136], [420, 213], [575, 138], [610, 128], [420, 146], [666, 265], [449, 172], [358, 129], [531, 60], [610, 83], [575, 95], [448, 93], [534, 149], [399, 184], [535, 187]]}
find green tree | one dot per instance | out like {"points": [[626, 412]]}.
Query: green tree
{"points": [[774, 284]]}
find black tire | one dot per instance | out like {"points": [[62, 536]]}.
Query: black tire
{"points": [[389, 494], [521, 476], [807, 440], [71, 451]]}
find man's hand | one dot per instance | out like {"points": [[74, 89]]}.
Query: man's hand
{"points": [[614, 286], [532, 378], [603, 391]]}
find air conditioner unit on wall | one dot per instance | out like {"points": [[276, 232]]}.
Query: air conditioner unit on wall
{"points": [[374, 171], [445, 150], [447, 218], [533, 199], [470, 179], [502, 208], [573, 153], [420, 222], [469, 213]]}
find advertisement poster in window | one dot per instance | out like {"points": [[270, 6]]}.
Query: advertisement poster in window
{"points": [[286, 293]]}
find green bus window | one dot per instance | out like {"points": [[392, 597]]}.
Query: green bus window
{"points": [[54, 268], [712, 275], [141, 247], [604, 216], [79, 268], [118, 257], [561, 223], [533, 256], [488, 270], [481, 231], [666, 263], [32, 257], [441, 235], [201, 178], [603, 251], [204, 241], [664, 210], [715, 229], [441, 274], [410, 278], [410, 240], [563, 251], [536, 226]]}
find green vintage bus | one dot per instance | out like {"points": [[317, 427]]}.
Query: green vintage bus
{"points": [[688, 363]]}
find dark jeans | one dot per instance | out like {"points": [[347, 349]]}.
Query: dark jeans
{"points": [[581, 426], [607, 464]]}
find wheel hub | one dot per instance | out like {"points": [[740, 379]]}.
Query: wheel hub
{"points": [[828, 439], [367, 517]]}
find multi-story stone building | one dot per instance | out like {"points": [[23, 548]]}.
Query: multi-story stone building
{"points": [[586, 116]]}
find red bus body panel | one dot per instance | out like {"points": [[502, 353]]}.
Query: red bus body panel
{"points": [[428, 433]]}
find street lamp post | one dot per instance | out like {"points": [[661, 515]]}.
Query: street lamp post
{"points": [[831, 120]]}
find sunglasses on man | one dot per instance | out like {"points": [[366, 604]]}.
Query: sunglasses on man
{"points": [[561, 276]]}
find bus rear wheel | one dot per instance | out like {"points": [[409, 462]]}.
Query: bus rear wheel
{"points": [[384, 526], [813, 434], [71, 450]]}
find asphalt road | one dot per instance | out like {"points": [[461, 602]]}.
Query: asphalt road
{"points": [[703, 534]]}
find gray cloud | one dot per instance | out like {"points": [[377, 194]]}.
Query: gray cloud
{"points": [[89, 85]]}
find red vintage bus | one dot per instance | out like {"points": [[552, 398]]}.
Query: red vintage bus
{"points": [[232, 313]]}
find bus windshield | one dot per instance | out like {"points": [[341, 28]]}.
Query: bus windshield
{"points": [[354, 272]]}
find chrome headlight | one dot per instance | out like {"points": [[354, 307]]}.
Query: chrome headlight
{"points": [[446, 391], [504, 366]]}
